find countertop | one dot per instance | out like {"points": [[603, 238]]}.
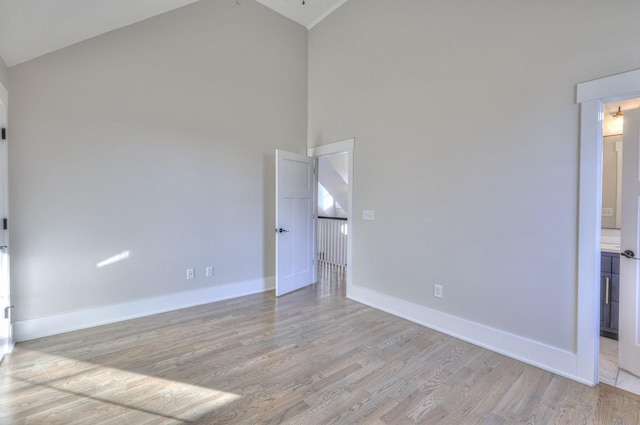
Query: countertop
{"points": [[610, 247]]}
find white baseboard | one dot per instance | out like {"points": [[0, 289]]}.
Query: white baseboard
{"points": [[554, 360], [535, 353], [25, 330]]}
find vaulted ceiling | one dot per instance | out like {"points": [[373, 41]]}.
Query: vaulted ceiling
{"points": [[31, 28]]}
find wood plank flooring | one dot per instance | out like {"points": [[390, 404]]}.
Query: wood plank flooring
{"points": [[311, 357]]}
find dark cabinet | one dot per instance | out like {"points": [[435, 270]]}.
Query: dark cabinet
{"points": [[609, 294]]}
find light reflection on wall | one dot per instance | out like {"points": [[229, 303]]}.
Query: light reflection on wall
{"points": [[114, 259]]}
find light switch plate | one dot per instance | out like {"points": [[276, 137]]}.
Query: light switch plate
{"points": [[368, 215]]}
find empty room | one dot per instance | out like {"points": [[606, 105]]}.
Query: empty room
{"points": [[168, 170]]}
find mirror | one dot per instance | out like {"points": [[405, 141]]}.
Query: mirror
{"points": [[611, 181]]}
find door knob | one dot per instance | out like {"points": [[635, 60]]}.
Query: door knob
{"points": [[281, 230], [628, 254]]}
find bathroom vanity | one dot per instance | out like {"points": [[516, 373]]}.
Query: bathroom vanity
{"points": [[609, 294]]}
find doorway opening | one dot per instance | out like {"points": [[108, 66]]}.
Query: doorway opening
{"points": [[334, 163], [592, 95], [332, 228], [609, 371]]}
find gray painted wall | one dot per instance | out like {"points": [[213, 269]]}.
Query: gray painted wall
{"points": [[470, 108], [157, 139]]}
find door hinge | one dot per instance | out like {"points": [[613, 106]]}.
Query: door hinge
{"points": [[5, 224], [4, 134], [6, 311]]}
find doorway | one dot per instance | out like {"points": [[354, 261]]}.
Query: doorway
{"points": [[609, 370], [592, 96], [341, 155], [332, 225]]}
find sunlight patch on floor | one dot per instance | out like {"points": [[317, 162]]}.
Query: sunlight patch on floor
{"points": [[110, 388]]}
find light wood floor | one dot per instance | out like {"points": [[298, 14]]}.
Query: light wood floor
{"points": [[311, 357]]}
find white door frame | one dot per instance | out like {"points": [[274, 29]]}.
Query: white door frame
{"points": [[347, 146], [591, 96], [4, 180]]}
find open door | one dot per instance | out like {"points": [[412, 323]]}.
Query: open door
{"points": [[295, 222], [629, 324], [6, 325]]}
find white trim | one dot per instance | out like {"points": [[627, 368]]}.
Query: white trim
{"points": [[4, 95], [619, 151], [4, 184], [554, 360], [72, 321], [616, 87], [325, 14], [332, 148], [592, 95], [589, 223], [347, 146], [314, 248]]}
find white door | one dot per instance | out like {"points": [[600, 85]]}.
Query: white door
{"points": [[295, 222], [629, 322], [6, 327]]}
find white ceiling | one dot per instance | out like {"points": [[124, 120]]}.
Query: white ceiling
{"points": [[32, 28]]}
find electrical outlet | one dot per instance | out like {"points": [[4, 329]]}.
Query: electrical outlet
{"points": [[437, 291], [190, 274], [607, 212], [208, 272], [368, 215]]}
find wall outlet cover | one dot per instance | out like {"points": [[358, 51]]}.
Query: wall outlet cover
{"points": [[437, 291]]}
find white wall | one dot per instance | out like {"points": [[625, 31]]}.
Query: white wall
{"points": [[157, 139], [466, 133]]}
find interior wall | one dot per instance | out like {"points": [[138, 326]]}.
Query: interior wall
{"points": [[466, 128], [154, 143]]}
